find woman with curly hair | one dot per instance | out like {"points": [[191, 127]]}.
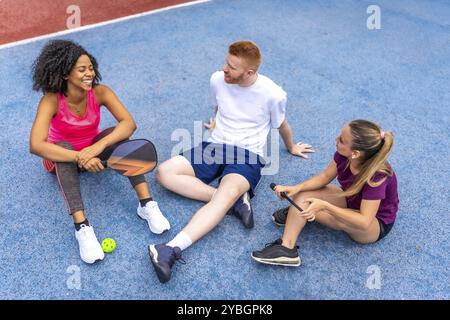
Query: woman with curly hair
{"points": [[66, 134], [364, 206]]}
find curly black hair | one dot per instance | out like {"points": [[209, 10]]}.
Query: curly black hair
{"points": [[55, 62]]}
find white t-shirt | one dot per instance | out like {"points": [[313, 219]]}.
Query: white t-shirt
{"points": [[245, 115]]}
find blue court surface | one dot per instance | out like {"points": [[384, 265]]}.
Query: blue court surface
{"points": [[333, 68]]}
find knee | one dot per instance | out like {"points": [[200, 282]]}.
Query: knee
{"points": [[162, 172], [65, 145], [231, 193], [299, 199], [159, 174], [370, 226]]}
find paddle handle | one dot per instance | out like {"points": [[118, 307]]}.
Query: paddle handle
{"points": [[104, 163], [284, 195]]}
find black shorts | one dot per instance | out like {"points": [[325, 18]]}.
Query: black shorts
{"points": [[384, 229]]}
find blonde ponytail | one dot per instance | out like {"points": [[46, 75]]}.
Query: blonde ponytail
{"points": [[375, 146]]}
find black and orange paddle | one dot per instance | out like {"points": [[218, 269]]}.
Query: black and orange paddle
{"points": [[132, 158]]}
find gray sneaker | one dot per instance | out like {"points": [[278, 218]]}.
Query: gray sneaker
{"points": [[279, 217], [277, 254]]}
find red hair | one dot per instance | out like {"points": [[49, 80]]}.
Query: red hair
{"points": [[246, 50]]}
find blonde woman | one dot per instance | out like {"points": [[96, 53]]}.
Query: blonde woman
{"points": [[365, 206]]}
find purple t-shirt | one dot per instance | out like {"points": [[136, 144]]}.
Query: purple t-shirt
{"points": [[386, 192]]}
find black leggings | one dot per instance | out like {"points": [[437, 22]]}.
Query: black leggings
{"points": [[69, 180]]}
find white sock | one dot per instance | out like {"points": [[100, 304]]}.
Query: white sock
{"points": [[181, 241]]}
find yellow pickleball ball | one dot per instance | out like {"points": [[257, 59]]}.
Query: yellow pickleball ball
{"points": [[108, 245]]}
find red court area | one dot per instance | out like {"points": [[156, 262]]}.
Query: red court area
{"points": [[23, 19]]}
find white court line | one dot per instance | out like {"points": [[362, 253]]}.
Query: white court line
{"points": [[100, 24]]}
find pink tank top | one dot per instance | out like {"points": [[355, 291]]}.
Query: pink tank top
{"points": [[79, 131]]}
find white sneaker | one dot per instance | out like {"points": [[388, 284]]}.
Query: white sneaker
{"points": [[156, 221], [90, 249]]}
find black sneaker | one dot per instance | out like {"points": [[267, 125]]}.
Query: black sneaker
{"points": [[279, 217], [163, 257], [242, 209], [275, 253]]}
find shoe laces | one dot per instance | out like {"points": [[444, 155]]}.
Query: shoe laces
{"points": [[151, 205], [175, 256], [276, 242], [152, 209], [87, 234]]}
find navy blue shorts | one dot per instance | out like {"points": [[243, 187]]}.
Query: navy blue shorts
{"points": [[213, 160]]}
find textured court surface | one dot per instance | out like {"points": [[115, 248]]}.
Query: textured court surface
{"points": [[333, 68], [24, 19]]}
